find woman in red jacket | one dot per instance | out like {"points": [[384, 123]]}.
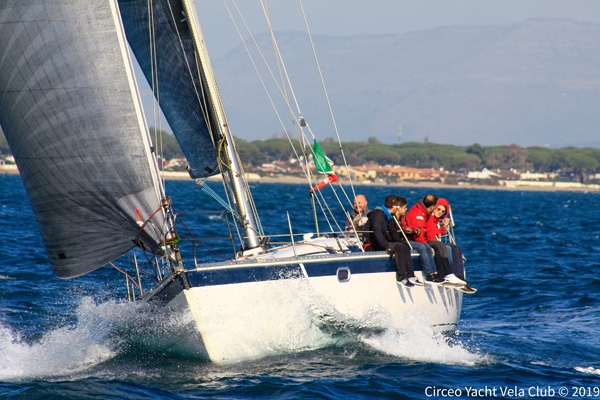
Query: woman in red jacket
{"points": [[436, 225], [416, 219], [435, 229]]}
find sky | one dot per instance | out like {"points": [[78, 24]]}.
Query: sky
{"points": [[359, 17], [355, 17]]}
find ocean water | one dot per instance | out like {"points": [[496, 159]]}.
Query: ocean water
{"points": [[531, 330]]}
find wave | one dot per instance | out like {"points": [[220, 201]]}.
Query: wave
{"points": [[102, 332], [588, 370], [62, 351]]}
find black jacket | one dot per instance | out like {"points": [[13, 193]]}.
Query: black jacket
{"points": [[383, 230]]}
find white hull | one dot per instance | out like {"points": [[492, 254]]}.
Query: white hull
{"points": [[295, 309]]}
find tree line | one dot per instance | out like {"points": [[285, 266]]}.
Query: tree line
{"points": [[411, 154], [434, 155]]}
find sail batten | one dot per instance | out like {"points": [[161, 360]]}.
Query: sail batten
{"points": [[71, 114]]}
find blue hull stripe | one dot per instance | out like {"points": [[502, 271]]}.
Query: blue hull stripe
{"points": [[291, 271], [232, 275], [243, 275]]}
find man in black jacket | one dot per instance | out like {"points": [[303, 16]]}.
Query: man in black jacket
{"points": [[385, 236]]}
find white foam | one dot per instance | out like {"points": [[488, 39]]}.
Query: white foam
{"points": [[65, 350], [60, 352], [588, 370], [421, 342]]}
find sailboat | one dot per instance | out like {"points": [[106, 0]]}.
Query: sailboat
{"points": [[71, 111]]}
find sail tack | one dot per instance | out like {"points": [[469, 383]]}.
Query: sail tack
{"points": [[71, 114]]}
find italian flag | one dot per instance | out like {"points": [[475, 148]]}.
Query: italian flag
{"points": [[323, 164]]}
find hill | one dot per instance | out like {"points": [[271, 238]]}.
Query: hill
{"points": [[534, 84]]}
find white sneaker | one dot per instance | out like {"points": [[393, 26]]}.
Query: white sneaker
{"points": [[415, 281], [405, 282], [454, 280]]}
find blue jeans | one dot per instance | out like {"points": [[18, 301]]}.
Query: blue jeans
{"points": [[425, 257], [458, 267]]}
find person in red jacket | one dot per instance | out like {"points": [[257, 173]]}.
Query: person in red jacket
{"points": [[437, 226], [416, 219]]}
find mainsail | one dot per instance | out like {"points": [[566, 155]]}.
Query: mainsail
{"points": [[71, 113], [163, 45]]}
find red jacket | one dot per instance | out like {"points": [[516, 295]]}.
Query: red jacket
{"points": [[433, 229], [416, 218]]}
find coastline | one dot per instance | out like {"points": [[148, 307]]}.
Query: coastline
{"points": [[514, 186], [298, 180]]}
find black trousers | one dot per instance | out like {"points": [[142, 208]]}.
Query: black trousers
{"points": [[400, 253], [458, 266], [442, 264]]}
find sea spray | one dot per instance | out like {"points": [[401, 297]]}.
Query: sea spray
{"points": [[60, 352], [421, 342]]}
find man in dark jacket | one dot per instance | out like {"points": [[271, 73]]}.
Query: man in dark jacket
{"points": [[384, 235]]}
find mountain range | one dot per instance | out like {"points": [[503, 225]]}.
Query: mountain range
{"points": [[535, 83]]}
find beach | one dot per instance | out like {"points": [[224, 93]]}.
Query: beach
{"points": [[503, 185], [299, 180]]}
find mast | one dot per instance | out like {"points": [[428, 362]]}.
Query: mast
{"points": [[234, 170]]}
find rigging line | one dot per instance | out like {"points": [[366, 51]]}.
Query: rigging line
{"points": [[155, 87], [254, 63], [326, 96], [236, 217], [202, 100], [301, 138], [183, 52], [262, 57], [154, 69], [341, 187], [261, 79], [279, 88], [286, 82], [281, 64], [329, 209], [226, 188], [278, 59], [325, 214], [198, 240], [278, 54], [248, 193]]}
